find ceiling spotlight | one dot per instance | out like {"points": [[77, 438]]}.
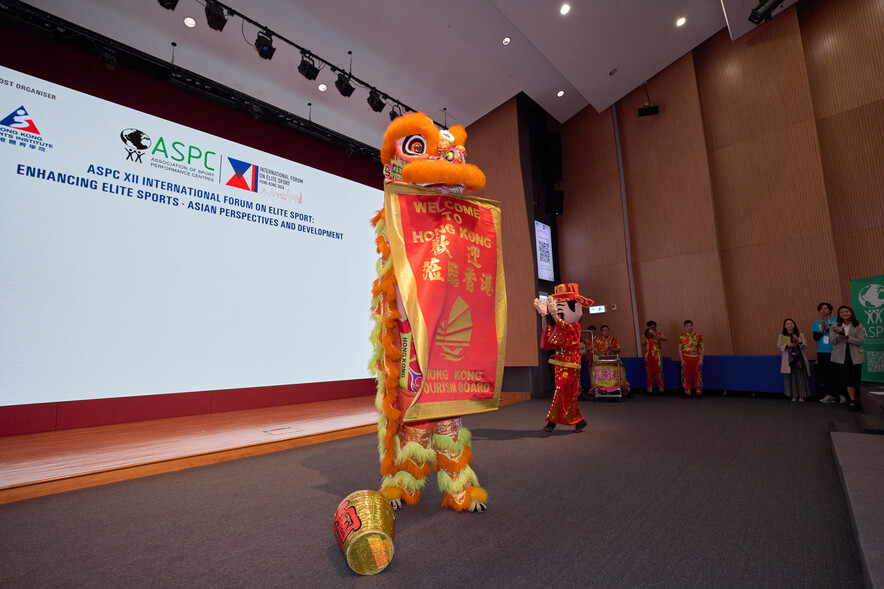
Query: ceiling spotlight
{"points": [[507, 40], [264, 45], [170, 4], [322, 87], [565, 9], [395, 112], [343, 85], [307, 68], [763, 11], [215, 17], [560, 93], [189, 22], [375, 101], [681, 21]]}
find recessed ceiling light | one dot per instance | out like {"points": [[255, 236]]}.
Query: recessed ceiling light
{"points": [[565, 9], [681, 21], [322, 87], [560, 93], [189, 21], [506, 40]]}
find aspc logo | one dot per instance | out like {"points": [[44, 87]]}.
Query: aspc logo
{"points": [[20, 119], [872, 299], [136, 142], [245, 175]]}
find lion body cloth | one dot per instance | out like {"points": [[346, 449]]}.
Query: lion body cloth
{"points": [[416, 152]]}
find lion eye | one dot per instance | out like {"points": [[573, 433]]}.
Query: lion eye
{"points": [[414, 145]]}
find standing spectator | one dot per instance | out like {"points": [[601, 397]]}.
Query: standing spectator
{"points": [[824, 353], [690, 348], [651, 342], [848, 353], [794, 366]]}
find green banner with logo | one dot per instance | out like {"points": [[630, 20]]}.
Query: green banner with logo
{"points": [[867, 295]]}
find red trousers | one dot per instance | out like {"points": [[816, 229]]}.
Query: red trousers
{"points": [[654, 366], [692, 373]]}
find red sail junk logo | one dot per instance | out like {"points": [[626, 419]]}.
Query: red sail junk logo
{"points": [[20, 120]]}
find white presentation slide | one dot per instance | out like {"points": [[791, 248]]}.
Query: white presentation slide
{"points": [[142, 257]]}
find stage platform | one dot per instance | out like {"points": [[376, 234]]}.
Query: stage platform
{"points": [[34, 465], [860, 459]]}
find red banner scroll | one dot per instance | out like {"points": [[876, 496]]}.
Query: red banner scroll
{"points": [[448, 263]]}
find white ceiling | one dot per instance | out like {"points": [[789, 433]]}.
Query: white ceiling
{"points": [[446, 59]]}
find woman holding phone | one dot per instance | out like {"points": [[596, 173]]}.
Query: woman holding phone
{"points": [[848, 355], [794, 366]]}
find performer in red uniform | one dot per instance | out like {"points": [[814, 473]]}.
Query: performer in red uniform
{"points": [[651, 341], [690, 348], [562, 311]]}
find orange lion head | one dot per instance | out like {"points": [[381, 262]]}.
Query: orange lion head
{"points": [[417, 152]]}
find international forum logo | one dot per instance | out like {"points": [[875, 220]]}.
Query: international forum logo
{"points": [[871, 297], [245, 175]]}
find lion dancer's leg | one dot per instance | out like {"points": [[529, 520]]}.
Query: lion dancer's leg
{"points": [[457, 481]]}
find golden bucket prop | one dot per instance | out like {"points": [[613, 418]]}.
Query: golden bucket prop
{"points": [[364, 528]]}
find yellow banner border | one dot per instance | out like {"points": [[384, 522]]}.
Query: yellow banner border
{"points": [[408, 291]]}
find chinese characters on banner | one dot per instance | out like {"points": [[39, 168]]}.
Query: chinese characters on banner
{"points": [[448, 264]]}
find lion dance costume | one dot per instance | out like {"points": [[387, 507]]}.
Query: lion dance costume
{"points": [[416, 152]]}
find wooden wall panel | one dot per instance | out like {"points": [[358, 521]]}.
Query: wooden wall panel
{"points": [[769, 282], [670, 207], [852, 145], [609, 285], [591, 230], [769, 187], [592, 240], [675, 131], [860, 255], [493, 145], [755, 84], [844, 48], [681, 287]]}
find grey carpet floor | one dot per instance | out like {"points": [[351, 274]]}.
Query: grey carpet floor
{"points": [[656, 492]]}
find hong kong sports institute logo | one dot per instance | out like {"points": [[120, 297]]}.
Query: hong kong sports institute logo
{"points": [[20, 120]]}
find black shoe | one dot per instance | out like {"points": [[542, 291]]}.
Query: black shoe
{"points": [[581, 425], [699, 396], [550, 426], [686, 395], [852, 405]]}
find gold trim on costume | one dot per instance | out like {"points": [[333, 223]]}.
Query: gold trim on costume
{"points": [[563, 363]]}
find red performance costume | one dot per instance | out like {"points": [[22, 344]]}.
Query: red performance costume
{"points": [[691, 347], [562, 333], [653, 359]]}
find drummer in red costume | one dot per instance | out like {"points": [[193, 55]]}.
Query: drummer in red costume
{"points": [[562, 311]]}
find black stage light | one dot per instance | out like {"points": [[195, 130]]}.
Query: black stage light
{"points": [[108, 59], [343, 85], [215, 17], [763, 11], [375, 102], [170, 4], [648, 110], [307, 68], [264, 45], [395, 112]]}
